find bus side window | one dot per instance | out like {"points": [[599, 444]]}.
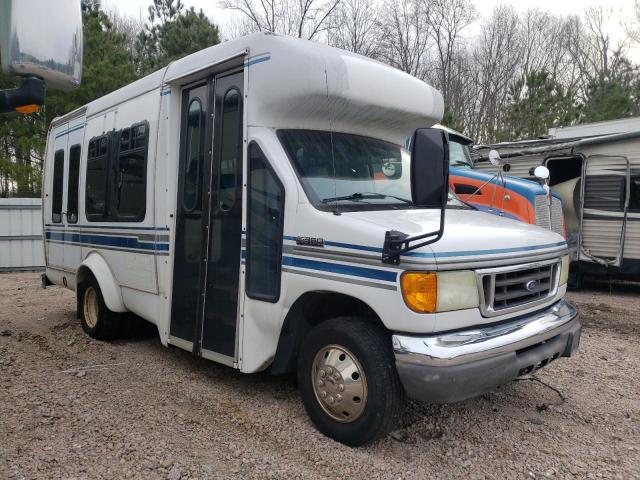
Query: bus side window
{"points": [[130, 196], [72, 187], [265, 222], [96, 179], [58, 179]]}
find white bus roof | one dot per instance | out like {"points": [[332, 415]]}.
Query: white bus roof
{"points": [[296, 83]]}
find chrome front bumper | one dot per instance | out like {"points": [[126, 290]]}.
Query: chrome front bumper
{"points": [[454, 366]]}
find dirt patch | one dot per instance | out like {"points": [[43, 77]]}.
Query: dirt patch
{"points": [[74, 407]]}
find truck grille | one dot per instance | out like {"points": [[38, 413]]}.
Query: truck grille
{"points": [[515, 288], [542, 214]]}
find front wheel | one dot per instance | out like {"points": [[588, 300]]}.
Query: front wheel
{"points": [[348, 380]]}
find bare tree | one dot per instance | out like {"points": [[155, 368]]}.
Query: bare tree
{"points": [[297, 18], [496, 59], [632, 25], [447, 19], [591, 48], [130, 27], [353, 27], [404, 36], [541, 38]]}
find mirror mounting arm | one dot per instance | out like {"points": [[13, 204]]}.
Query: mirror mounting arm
{"points": [[398, 243], [30, 92]]}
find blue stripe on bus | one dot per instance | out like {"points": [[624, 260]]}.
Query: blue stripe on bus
{"points": [[73, 225], [253, 61], [462, 253], [69, 130], [340, 268], [100, 240], [488, 252]]}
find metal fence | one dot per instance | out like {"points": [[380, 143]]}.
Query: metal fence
{"points": [[21, 234]]}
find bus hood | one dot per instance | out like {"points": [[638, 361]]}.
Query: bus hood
{"points": [[470, 236]]}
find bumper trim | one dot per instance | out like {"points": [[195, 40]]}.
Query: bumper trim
{"points": [[454, 366], [465, 346]]}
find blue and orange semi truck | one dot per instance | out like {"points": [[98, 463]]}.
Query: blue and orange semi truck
{"points": [[510, 197]]}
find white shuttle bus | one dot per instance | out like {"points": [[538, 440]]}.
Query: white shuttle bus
{"points": [[254, 202]]}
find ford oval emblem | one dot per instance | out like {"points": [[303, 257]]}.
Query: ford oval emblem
{"points": [[531, 285]]}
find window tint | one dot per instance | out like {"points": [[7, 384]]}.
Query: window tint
{"points": [[130, 185], [96, 181], [72, 187], [193, 157], [230, 149], [58, 179], [265, 220]]}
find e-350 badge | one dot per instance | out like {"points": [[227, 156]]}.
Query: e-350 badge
{"points": [[310, 241]]}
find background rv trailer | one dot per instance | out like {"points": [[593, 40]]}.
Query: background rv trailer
{"points": [[595, 168]]}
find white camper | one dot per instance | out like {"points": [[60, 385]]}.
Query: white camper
{"points": [[595, 169], [254, 202]]}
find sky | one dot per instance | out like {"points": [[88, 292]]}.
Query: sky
{"points": [[623, 9]]}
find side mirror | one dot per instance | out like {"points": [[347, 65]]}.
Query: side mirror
{"points": [[541, 173], [40, 41], [430, 168], [429, 189], [494, 158]]}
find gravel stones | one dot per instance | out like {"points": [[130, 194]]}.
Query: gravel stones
{"points": [[161, 413]]}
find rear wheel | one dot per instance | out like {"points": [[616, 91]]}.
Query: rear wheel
{"points": [[348, 381], [96, 319]]}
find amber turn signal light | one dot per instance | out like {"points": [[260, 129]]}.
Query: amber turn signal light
{"points": [[420, 291], [33, 108]]}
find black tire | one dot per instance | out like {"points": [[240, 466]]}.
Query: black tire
{"points": [[106, 324], [371, 346]]}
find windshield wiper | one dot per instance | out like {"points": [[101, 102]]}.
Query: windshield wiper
{"points": [[460, 163], [364, 196]]}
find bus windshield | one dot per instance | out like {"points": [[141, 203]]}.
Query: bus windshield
{"points": [[352, 171]]}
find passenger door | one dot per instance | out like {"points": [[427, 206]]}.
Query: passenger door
{"points": [[605, 203], [220, 319], [192, 222], [206, 274]]}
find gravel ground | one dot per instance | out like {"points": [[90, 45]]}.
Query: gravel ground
{"points": [[161, 413]]}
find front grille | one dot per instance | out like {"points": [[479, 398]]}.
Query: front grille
{"points": [[514, 288], [542, 214]]}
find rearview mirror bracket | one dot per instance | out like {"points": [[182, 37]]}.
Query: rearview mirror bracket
{"points": [[398, 243], [30, 92]]}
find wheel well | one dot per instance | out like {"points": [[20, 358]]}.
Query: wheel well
{"points": [[83, 274], [309, 310]]}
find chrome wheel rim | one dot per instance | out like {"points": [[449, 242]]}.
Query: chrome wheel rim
{"points": [[91, 307], [339, 383]]}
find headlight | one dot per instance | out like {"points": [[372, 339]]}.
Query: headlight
{"points": [[440, 292], [564, 270]]}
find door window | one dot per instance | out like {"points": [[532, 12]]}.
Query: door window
{"points": [[265, 220], [229, 149], [72, 187], [193, 157], [58, 179]]}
